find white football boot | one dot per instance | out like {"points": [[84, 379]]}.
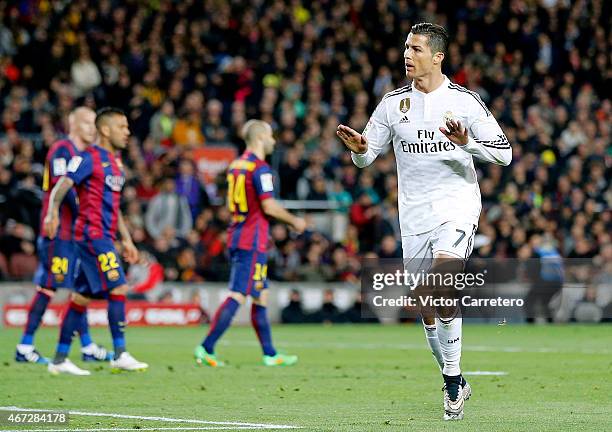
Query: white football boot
{"points": [[453, 409], [126, 362], [67, 367]]}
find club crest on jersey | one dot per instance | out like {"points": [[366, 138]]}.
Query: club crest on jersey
{"points": [[404, 105], [114, 182]]}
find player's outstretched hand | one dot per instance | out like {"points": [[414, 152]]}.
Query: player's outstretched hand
{"points": [[130, 253], [299, 225], [51, 224], [352, 139], [455, 132]]}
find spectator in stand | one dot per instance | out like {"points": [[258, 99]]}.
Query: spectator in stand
{"points": [[293, 313], [168, 209], [17, 239], [145, 190], [214, 130], [342, 198], [360, 313], [389, 248], [318, 190], [342, 268], [283, 257], [314, 269], [162, 124], [188, 186], [290, 172], [187, 131], [329, 312], [364, 216], [187, 266], [84, 72]]}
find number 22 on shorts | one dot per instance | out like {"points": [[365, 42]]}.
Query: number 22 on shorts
{"points": [[108, 261]]}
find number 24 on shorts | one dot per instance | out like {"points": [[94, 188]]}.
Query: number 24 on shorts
{"points": [[59, 265]]}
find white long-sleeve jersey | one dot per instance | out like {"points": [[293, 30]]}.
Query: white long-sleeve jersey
{"points": [[437, 181]]}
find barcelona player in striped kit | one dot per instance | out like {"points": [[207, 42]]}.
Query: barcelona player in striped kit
{"points": [[99, 177], [251, 200], [57, 257]]}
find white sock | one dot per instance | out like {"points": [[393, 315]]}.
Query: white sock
{"points": [[449, 336], [431, 335]]}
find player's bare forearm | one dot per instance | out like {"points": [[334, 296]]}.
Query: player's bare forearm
{"points": [[51, 220], [59, 192], [273, 209], [123, 229], [130, 253]]}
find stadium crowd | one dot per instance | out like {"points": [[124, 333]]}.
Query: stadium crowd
{"points": [[189, 74]]}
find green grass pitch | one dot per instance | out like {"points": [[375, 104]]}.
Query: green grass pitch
{"points": [[349, 378]]}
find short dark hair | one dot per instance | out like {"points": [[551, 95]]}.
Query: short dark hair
{"points": [[436, 34], [106, 112]]}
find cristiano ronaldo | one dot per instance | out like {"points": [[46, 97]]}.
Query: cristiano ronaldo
{"points": [[435, 127]]}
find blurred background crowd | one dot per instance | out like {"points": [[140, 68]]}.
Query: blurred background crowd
{"points": [[190, 73]]}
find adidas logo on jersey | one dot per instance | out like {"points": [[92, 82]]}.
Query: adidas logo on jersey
{"points": [[404, 120]]}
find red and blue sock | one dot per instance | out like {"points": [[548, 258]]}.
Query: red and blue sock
{"points": [[37, 310], [220, 323], [116, 322], [70, 324], [84, 331], [259, 319]]}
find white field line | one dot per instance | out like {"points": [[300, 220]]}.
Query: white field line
{"points": [[412, 346], [139, 429], [485, 373], [161, 419]]}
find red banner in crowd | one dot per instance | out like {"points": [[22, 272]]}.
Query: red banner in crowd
{"points": [[137, 314], [211, 161]]}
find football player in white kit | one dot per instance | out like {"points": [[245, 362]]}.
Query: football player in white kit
{"points": [[435, 127]]}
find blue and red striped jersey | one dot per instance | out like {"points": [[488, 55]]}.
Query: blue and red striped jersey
{"points": [[98, 174], [56, 166], [250, 182]]}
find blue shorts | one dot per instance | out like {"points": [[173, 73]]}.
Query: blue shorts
{"points": [[100, 268], [57, 263], [249, 275]]}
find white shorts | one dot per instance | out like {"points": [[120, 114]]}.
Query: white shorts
{"points": [[450, 238]]}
